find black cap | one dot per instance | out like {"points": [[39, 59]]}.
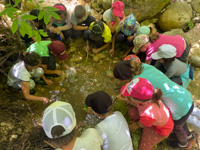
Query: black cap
{"points": [[122, 70], [100, 101], [97, 30]]}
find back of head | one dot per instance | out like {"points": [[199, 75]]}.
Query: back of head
{"points": [[58, 115], [79, 11], [98, 27], [143, 30], [31, 58], [61, 8], [129, 25], [139, 41], [125, 70], [100, 102]]}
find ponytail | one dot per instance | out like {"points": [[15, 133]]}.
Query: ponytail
{"points": [[153, 37], [157, 95], [136, 67]]}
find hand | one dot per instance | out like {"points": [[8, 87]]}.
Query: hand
{"points": [[45, 100], [133, 126], [58, 72], [130, 38], [112, 51], [48, 82], [124, 56], [94, 50], [55, 30]]}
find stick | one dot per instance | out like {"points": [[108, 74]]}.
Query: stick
{"points": [[87, 56], [94, 78], [49, 144]]}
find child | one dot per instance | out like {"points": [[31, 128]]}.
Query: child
{"points": [[20, 75], [150, 44], [61, 27], [173, 68], [81, 19], [59, 124], [125, 32], [154, 117], [48, 50], [100, 34], [113, 15], [113, 129], [148, 30], [35, 24], [175, 97]]}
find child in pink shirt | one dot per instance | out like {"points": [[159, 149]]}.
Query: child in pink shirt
{"points": [[150, 45], [149, 112]]}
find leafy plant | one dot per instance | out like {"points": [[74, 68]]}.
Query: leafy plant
{"points": [[189, 25], [24, 28]]}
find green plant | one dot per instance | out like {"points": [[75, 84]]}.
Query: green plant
{"points": [[24, 28], [189, 25]]}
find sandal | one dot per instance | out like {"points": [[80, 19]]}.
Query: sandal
{"points": [[175, 144]]}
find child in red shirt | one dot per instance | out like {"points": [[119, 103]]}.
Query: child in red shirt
{"points": [[149, 112]]}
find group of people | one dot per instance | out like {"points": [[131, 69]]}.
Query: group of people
{"points": [[155, 90]]}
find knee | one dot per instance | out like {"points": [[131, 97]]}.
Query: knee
{"points": [[86, 34], [134, 114], [39, 72], [120, 38], [32, 84]]}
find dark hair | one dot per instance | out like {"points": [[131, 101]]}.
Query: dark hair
{"points": [[168, 61], [79, 11], [64, 140], [35, 12], [30, 58], [59, 12], [153, 37]]}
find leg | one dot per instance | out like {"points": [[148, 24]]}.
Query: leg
{"points": [[67, 33], [86, 34], [120, 38], [38, 73], [149, 138], [76, 33], [129, 43], [177, 80]]}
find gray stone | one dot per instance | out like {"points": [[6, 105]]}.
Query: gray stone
{"points": [[175, 16], [95, 5], [144, 9], [196, 5]]}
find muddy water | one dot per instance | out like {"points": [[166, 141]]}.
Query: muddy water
{"points": [[79, 80]]}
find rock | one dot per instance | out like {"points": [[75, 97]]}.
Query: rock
{"points": [[97, 15], [175, 16], [144, 9], [178, 32], [78, 59], [196, 5], [194, 60], [194, 33], [72, 49], [99, 56], [99, 2]]}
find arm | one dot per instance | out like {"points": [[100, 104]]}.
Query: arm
{"points": [[112, 27], [112, 50], [28, 96], [76, 27], [101, 48], [46, 71], [68, 25], [47, 81]]}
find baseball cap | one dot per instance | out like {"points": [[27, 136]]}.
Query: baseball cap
{"points": [[97, 31], [143, 30], [59, 114], [100, 102], [118, 8], [139, 88], [59, 49], [139, 41], [59, 7], [133, 57], [164, 51], [122, 70]]}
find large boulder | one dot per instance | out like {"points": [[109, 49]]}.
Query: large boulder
{"points": [[175, 16], [196, 5], [144, 9]]}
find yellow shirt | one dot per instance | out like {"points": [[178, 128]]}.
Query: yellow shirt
{"points": [[106, 33]]}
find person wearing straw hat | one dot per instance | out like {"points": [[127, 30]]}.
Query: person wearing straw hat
{"points": [[113, 128], [60, 126], [49, 50], [98, 33], [149, 112]]}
